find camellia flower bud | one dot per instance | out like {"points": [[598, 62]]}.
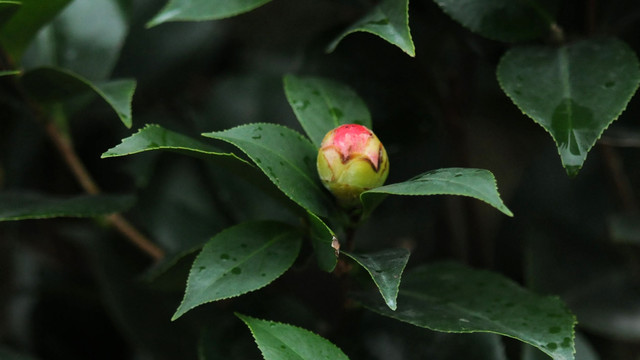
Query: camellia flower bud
{"points": [[351, 160]]}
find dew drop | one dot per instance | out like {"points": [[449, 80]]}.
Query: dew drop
{"points": [[552, 346], [201, 268], [236, 271], [244, 246], [224, 256], [609, 84], [263, 274], [457, 175], [282, 347], [256, 137]]}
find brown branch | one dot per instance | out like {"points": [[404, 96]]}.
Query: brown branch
{"points": [[65, 148], [620, 179], [63, 144]]}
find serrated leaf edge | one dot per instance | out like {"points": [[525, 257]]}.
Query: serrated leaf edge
{"points": [[179, 312], [397, 287], [411, 51], [309, 332], [500, 82], [305, 175], [505, 211]]}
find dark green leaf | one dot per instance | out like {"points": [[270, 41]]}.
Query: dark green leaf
{"points": [[584, 351], [385, 268], [22, 206], [240, 259], [452, 298], [85, 38], [388, 20], [286, 157], [476, 183], [278, 341], [199, 10], [322, 105], [505, 20], [54, 84], [574, 91], [155, 137], [322, 240], [26, 22], [7, 9]]}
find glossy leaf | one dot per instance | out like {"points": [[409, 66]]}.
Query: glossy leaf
{"points": [[23, 206], [7, 9], [155, 137], [20, 29], [450, 297], [388, 20], [385, 268], [322, 238], [584, 351], [278, 341], [240, 259], [475, 183], [85, 38], [286, 157], [322, 105], [574, 91], [504, 20], [200, 10], [54, 84]]}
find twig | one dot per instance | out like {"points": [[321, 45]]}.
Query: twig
{"points": [[620, 179], [65, 148]]}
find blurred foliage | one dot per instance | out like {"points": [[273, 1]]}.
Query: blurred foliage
{"points": [[75, 289]]}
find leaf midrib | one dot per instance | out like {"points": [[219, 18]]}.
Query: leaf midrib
{"points": [[296, 168], [252, 254]]}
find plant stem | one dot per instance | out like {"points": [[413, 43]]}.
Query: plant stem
{"points": [[620, 179], [63, 144], [70, 157]]}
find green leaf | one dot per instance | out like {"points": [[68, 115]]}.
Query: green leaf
{"points": [[240, 259], [322, 105], [9, 72], [388, 20], [505, 20], [584, 351], [322, 238], [200, 10], [7, 9], [475, 183], [278, 341], [23, 206], [26, 22], [85, 38], [450, 297], [155, 137], [574, 91], [55, 84], [385, 268], [286, 157]]}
